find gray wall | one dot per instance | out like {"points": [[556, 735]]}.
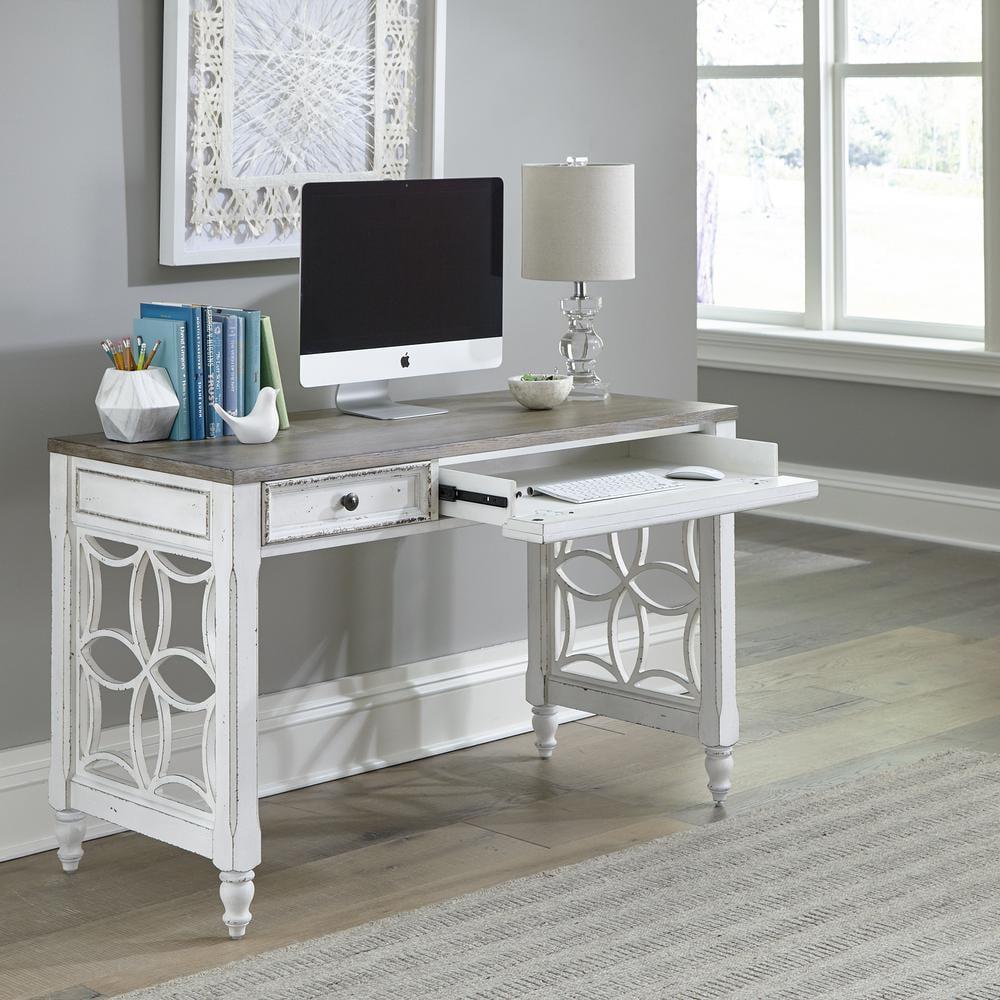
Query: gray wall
{"points": [[918, 433], [526, 81]]}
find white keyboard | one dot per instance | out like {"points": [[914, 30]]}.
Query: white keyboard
{"points": [[625, 484]]}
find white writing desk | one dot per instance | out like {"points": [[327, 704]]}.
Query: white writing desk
{"points": [[202, 515]]}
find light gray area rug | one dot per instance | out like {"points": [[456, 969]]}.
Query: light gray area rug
{"points": [[885, 887]]}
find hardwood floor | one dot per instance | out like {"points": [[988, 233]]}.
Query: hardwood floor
{"points": [[856, 651]]}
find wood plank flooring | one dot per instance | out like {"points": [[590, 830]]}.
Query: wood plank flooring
{"points": [[855, 651]]}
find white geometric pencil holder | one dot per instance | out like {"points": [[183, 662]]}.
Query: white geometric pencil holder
{"points": [[136, 406]]}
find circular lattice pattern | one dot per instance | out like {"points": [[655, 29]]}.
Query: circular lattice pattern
{"points": [[150, 651], [629, 589]]}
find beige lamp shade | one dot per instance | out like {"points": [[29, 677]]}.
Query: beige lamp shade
{"points": [[578, 222]]}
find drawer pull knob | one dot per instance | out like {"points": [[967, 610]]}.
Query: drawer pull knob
{"points": [[350, 501]]}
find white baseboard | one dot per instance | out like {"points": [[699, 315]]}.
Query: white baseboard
{"points": [[950, 513], [330, 730]]}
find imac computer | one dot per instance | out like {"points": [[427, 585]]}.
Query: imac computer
{"points": [[398, 278]]}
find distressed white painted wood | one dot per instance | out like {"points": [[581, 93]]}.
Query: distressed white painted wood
{"points": [[236, 892], [317, 542], [60, 767], [719, 765], [697, 694], [627, 599], [588, 697], [545, 723], [624, 685], [541, 644], [71, 828], [540, 520], [149, 773], [112, 801], [616, 679], [316, 506], [309, 734], [210, 808], [236, 532], [203, 797], [134, 503], [100, 522], [719, 723]]}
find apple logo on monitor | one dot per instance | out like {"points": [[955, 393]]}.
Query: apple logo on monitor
{"points": [[405, 360]]}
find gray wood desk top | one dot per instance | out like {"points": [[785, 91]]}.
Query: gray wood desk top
{"points": [[326, 441]]}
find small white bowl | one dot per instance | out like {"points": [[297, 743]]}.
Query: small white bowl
{"points": [[540, 394]]}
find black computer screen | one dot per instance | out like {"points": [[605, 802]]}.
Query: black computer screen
{"points": [[394, 263]]}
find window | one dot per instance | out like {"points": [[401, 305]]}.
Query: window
{"points": [[840, 164]]}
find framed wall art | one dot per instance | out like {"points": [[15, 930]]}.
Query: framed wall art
{"points": [[263, 96]]}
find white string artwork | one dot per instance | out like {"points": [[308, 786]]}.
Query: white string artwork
{"points": [[288, 91]]}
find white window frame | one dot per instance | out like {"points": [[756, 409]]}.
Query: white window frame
{"points": [[824, 73]]}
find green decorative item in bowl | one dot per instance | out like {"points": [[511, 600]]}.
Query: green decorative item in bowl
{"points": [[540, 392]]}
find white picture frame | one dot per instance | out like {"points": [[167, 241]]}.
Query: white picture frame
{"points": [[178, 247]]}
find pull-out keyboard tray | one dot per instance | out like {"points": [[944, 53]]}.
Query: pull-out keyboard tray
{"points": [[502, 497]]}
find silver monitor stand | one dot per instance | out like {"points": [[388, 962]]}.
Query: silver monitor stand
{"points": [[371, 399]]}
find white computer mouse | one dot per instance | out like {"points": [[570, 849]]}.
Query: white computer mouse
{"points": [[695, 472]]}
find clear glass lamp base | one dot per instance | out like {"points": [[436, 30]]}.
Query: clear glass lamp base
{"points": [[580, 346]]}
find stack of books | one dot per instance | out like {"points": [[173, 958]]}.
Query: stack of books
{"points": [[212, 355]]}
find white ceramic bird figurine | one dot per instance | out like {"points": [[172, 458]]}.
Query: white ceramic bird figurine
{"points": [[260, 425]]}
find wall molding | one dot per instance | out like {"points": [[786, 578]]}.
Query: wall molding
{"points": [[878, 359], [329, 730], [949, 513]]}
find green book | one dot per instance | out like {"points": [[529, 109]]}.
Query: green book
{"points": [[270, 373]]}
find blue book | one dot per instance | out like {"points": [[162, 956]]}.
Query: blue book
{"points": [[250, 339], [251, 377], [213, 378], [241, 366], [172, 356], [191, 315], [230, 365]]}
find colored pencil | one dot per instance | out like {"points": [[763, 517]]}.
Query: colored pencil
{"points": [[120, 353]]}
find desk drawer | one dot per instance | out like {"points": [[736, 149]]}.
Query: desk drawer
{"points": [[141, 502], [502, 497], [342, 502]]}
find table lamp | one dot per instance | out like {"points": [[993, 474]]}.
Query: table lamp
{"points": [[578, 225]]}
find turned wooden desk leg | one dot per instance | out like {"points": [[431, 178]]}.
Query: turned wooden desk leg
{"points": [[236, 839], [718, 721], [541, 646], [71, 825]]}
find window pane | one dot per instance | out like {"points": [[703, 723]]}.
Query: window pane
{"points": [[751, 195], [915, 30], [749, 32], [914, 208]]}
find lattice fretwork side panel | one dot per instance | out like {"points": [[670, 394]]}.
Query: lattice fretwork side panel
{"points": [[634, 596], [166, 689]]}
